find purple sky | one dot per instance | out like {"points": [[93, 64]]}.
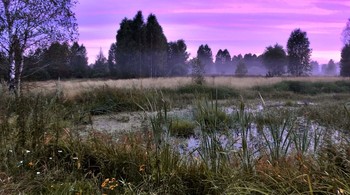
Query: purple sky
{"points": [[241, 26]]}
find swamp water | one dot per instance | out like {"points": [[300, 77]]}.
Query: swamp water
{"points": [[291, 134]]}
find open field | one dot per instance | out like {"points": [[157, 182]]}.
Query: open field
{"points": [[168, 136], [74, 87]]}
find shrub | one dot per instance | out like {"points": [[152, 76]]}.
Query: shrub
{"points": [[182, 128]]}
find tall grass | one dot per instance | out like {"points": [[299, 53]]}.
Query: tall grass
{"points": [[47, 149], [277, 136], [71, 88], [211, 120], [244, 120]]}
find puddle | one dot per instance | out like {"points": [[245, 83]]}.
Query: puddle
{"points": [[230, 140]]}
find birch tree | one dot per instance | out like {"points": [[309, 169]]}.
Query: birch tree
{"points": [[28, 24]]}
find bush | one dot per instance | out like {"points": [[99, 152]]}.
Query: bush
{"points": [[182, 128], [308, 88]]}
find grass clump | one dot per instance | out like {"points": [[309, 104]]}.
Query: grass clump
{"points": [[108, 100], [46, 148], [309, 88], [216, 92], [210, 116], [182, 128]]}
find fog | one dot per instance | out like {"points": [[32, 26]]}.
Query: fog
{"points": [[257, 68]]}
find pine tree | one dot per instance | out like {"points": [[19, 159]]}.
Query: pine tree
{"points": [[156, 47], [222, 61], [112, 60], [56, 59], [330, 68], [241, 69], [345, 61], [100, 68], [78, 61], [28, 25], [125, 49], [177, 59], [205, 56]]}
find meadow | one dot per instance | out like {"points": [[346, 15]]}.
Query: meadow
{"points": [[231, 135]]}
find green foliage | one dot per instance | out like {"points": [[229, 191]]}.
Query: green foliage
{"points": [[156, 47], [217, 92], [141, 48], [112, 60], [330, 68], [56, 58], [78, 61], [197, 71], [222, 61], [212, 120], [311, 88], [205, 57], [182, 128], [33, 24], [210, 116], [46, 148], [57, 61], [177, 59], [100, 68], [244, 121], [108, 100], [346, 33], [277, 134], [345, 61], [274, 59], [130, 47], [241, 69], [299, 53]]}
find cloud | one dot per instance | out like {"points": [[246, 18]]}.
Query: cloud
{"points": [[241, 26]]}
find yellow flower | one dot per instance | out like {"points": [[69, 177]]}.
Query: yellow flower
{"points": [[142, 168], [30, 164], [113, 186], [104, 184], [340, 191]]}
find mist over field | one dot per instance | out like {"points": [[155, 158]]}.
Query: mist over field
{"points": [[174, 97]]}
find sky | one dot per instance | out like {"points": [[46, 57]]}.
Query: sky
{"points": [[241, 26]]}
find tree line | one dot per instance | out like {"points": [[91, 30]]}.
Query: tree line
{"points": [[141, 50]]}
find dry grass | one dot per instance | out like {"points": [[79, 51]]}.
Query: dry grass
{"points": [[73, 87]]}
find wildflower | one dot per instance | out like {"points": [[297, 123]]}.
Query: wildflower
{"points": [[38, 173], [59, 151], [142, 168], [78, 165], [340, 191], [50, 158], [104, 184], [112, 187], [11, 151], [30, 164], [27, 151], [75, 158]]}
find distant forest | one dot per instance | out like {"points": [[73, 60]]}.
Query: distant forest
{"points": [[141, 50]]}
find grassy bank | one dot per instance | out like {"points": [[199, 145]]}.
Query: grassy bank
{"points": [[46, 147]]}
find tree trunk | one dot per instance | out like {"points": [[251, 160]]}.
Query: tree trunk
{"points": [[11, 72], [18, 76]]}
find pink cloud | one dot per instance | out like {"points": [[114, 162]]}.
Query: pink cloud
{"points": [[239, 25]]}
